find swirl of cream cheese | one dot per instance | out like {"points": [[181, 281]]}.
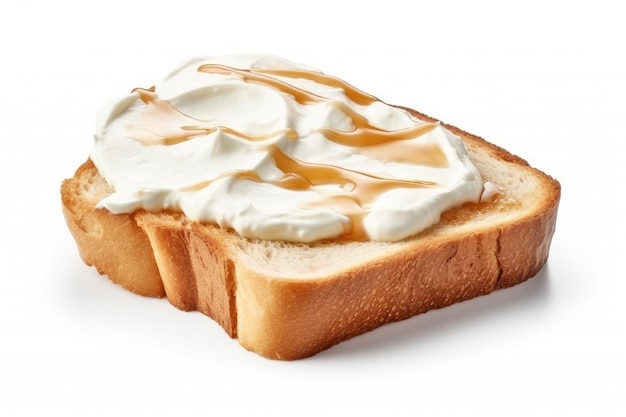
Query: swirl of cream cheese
{"points": [[279, 151]]}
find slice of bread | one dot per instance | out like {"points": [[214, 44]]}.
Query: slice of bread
{"points": [[293, 300]]}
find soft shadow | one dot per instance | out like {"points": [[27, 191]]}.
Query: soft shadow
{"points": [[82, 291], [530, 294]]}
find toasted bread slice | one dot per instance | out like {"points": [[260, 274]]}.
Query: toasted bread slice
{"points": [[292, 300]]}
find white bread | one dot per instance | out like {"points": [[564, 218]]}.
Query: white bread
{"points": [[292, 300]]}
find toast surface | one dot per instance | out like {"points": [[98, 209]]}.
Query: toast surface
{"points": [[292, 300]]}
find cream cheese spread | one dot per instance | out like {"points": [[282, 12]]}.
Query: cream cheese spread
{"points": [[279, 151]]}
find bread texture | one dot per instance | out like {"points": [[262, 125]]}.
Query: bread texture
{"points": [[292, 300]]}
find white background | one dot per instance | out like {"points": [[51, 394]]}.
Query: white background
{"points": [[545, 80]]}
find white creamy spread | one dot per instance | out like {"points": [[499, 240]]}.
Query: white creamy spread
{"points": [[279, 151]]}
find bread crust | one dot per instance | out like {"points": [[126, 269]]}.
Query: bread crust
{"points": [[196, 268], [205, 268], [114, 244]]}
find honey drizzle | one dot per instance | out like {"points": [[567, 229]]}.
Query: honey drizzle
{"points": [[357, 190], [354, 94], [177, 127], [300, 95]]}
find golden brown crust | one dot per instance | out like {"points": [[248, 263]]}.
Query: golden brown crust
{"points": [[201, 267], [197, 272], [113, 244], [290, 320], [523, 248]]}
